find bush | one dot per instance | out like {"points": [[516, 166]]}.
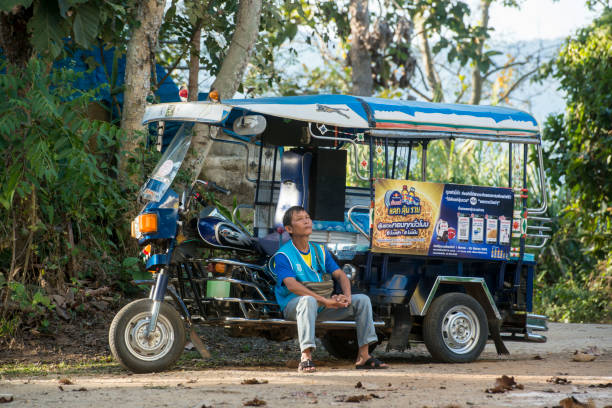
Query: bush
{"points": [[62, 207]]}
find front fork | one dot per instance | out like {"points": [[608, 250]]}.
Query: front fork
{"points": [[158, 292]]}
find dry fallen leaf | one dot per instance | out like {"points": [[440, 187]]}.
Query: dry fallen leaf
{"points": [[357, 398], [65, 381], [358, 385], [253, 381], [571, 402], [559, 380], [255, 402], [503, 384], [607, 385], [81, 389], [6, 398], [583, 357]]}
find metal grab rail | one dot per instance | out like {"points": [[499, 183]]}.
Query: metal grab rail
{"points": [[341, 139], [246, 167], [540, 229], [348, 215], [543, 191]]}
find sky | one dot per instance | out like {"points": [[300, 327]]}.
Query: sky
{"points": [[538, 19], [535, 20]]}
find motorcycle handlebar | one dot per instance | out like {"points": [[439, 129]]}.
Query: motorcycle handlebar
{"points": [[209, 184], [199, 199], [219, 188]]}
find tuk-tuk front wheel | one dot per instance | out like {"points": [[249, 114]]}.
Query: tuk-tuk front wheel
{"points": [[138, 352], [455, 329]]}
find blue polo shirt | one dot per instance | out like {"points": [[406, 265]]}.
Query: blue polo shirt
{"points": [[282, 267]]}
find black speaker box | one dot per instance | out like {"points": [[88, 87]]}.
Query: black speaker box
{"points": [[327, 185]]}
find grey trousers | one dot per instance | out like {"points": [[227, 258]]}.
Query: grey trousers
{"points": [[304, 310]]}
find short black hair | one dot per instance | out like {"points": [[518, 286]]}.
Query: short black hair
{"points": [[289, 214]]}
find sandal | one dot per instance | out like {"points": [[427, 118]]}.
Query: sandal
{"points": [[306, 366], [371, 364]]}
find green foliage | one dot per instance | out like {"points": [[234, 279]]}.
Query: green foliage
{"points": [[576, 268], [216, 18], [581, 140], [62, 206], [581, 299], [82, 20]]}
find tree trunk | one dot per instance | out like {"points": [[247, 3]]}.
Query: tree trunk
{"points": [[228, 79], [361, 61], [140, 61], [241, 47], [433, 79], [14, 35], [476, 74], [194, 61]]}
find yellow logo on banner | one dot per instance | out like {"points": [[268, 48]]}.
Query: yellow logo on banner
{"points": [[404, 215]]}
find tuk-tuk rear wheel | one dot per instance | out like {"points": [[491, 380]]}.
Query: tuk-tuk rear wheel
{"points": [[140, 353], [455, 329]]}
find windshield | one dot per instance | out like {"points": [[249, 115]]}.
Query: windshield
{"points": [[167, 167]]}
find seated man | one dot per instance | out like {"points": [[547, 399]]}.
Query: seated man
{"points": [[302, 261]]}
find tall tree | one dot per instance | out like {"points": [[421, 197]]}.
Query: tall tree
{"points": [[444, 26], [140, 62], [576, 271], [579, 154], [485, 5], [229, 77], [14, 34], [431, 73], [360, 58]]}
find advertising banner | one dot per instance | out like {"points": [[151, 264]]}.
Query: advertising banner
{"points": [[448, 220]]}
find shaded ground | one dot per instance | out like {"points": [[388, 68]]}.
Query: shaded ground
{"points": [[412, 381]]}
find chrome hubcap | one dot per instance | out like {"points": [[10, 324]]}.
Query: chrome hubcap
{"points": [[154, 346], [460, 329]]}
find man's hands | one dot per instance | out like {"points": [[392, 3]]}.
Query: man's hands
{"points": [[337, 302]]}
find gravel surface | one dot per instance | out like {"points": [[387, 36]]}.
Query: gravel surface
{"points": [[545, 374]]}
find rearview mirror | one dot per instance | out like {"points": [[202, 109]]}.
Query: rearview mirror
{"points": [[249, 125]]}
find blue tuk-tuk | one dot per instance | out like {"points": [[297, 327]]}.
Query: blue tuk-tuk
{"points": [[445, 263]]}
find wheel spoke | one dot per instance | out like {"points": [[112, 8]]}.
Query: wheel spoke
{"points": [[460, 329], [154, 346]]}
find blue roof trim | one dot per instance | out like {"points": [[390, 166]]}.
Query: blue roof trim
{"points": [[351, 101], [496, 113]]}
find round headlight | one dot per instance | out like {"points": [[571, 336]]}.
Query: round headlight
{"points": [[350, 271]]}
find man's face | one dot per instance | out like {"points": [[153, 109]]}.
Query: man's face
{"points": [[301, 224]]}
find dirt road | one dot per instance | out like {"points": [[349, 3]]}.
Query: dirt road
{"points": [[412, 381]]}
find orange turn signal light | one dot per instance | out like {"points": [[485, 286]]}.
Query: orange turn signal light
{"points": [[220, 268], [213, 95], [147, 223], [134, 229]]}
